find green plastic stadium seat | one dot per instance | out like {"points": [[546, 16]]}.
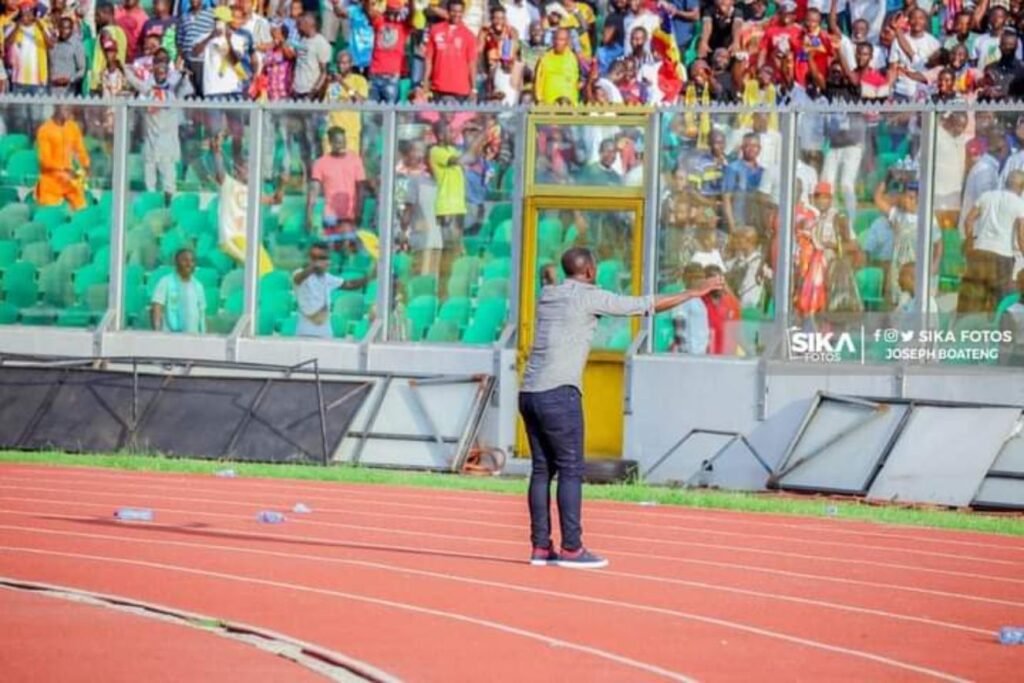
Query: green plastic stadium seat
{"points": [[286, 326], [458, 286], [443, 331], [490, 289], [8, 313], [52, 216], [20, 285], [480, 333], [88, 276], [621, 338], [350, 305], [869, 283], [233, 282], [184, 203], [499, 249], [421, 285], [96, 297], [456, 310], [276, 281], [498, 269], [207, 277], [491, 312], [421, 313], [75, 256], [30, 232], [8, 252], [37, 253], [98, 236], [609, 275], [663, 332], [402, 265], [234, 303], [11, 143], [23, 167], [64, 235], [74, 317], [55, 286]]}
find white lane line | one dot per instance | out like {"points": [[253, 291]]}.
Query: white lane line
{"points": [[446, 614], [740, 626], [642, 577], [691, 544], [379, 491], [646, 539]]}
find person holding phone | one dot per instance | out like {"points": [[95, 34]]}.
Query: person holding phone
{"points": [[313, 286]]}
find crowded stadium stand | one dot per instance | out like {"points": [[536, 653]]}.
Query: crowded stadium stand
{"points": [[854, 169]]}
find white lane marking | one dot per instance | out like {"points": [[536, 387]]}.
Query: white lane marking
{"points": [[455, 616], [764, 632]]}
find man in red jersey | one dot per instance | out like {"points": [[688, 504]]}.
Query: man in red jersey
{"points": [[451, 58]]}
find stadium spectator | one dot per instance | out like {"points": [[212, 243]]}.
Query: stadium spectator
{"points": [[27, 42], [63, 161], [178, 303], [340, 176], [451, 58], [312, 57], [557, 80], [313, 287], [691, 333], [226, 53], [132, 19], [994, 233], [67, 60], [161, 147]]}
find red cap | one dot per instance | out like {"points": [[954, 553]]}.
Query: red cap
{"points": [[823, 189]]}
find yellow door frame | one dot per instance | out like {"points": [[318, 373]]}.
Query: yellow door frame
{"points": [[528, 283]]}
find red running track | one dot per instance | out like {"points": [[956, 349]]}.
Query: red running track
{"points": [[431, 585], [53, 639]]}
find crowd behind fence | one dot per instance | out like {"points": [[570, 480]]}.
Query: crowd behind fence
{"points": [[413, 217]]}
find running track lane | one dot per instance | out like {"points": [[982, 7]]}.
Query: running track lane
{"points": [[49, 638], [623, 584]]}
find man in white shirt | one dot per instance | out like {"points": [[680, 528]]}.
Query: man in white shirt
{"points": [[225, 53], [639, 17], [983, 176], [520, 14], [909, 56], [995, 230], [313, 287]]}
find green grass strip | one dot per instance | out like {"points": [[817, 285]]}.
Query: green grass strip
{"points": [[774, 503]]}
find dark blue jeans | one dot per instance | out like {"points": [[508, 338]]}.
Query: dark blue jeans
{"points": [[384, 89], [554, 426]]}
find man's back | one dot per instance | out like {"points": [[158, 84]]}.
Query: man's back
{"points": [[564, 327]]}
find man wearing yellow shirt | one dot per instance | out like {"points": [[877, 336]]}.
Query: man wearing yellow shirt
{"points": [[558, 73], [346, 86]]}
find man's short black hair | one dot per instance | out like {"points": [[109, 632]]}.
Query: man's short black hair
{"points": [[575, 260], [319, 244], [181, 252]]}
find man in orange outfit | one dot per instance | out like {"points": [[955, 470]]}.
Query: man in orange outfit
{"points": [[60, 144]]}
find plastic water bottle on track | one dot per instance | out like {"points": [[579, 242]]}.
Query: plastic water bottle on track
{"points": [[831, 510], [225, 474], [1011, 635], [301, 509], [270, 517], [134, 515]]}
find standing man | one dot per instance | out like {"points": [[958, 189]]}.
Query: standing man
{"points": [[340, 176], [451, 58], [550, 399], [179, 300], [313, 287]]}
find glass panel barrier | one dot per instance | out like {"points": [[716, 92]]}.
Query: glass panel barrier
{"points": [[719, 181], [598, 155], [975, 314], [187, 193], [855, 228], [611, 236], [451, 263], [321, 172], [55, 206]]}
